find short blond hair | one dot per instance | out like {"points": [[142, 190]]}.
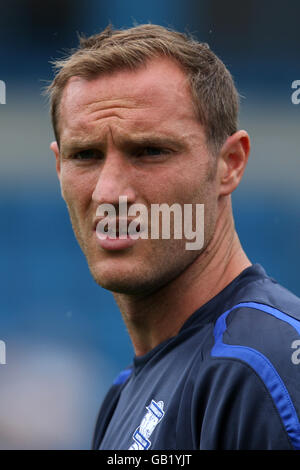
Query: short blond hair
{"points": [[213, 91]]}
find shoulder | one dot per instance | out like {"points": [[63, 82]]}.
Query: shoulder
{"points": [[261, 334], [108, 406], [265, 318]]}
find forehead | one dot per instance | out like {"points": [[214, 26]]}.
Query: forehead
{"points": [[156, 91]]}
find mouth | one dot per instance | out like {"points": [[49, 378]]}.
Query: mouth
{"points": [[116, 234], [117, 228]]}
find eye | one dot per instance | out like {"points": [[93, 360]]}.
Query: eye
{"points": [[88, 154], [152, 152]]}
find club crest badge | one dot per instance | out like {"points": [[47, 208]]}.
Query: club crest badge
{"points": [[155, 413]]}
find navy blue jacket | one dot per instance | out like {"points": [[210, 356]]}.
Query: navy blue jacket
{"points": [[230, 379]]}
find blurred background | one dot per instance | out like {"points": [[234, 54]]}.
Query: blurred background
{"points": [[65, 340]]}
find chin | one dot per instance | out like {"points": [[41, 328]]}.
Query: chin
{"points": [[122, 286], [126, 281], [139, 275], [112, 278]]}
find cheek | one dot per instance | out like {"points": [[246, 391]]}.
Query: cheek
{"points": [[165, 186], [77, 190], [76, 187]]}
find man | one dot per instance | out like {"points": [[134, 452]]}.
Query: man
{"points": [[149, 116]]}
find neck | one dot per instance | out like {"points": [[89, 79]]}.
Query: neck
{"points": [[154, 318]]}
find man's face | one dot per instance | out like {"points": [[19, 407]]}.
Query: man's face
{"points": [[134, 134]]}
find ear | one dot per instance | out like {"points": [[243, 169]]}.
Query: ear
{"points": [[233, 159], [55, 149]]}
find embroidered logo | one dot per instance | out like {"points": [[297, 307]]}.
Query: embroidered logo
{"points": [[154, 415]]}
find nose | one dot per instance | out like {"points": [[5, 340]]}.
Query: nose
{"points": [[114, 180]]}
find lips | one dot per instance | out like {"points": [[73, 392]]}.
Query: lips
{"points": [[112, 234], [116, 228]]}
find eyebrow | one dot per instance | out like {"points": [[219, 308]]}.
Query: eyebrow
{"points": [[131, 142]]}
